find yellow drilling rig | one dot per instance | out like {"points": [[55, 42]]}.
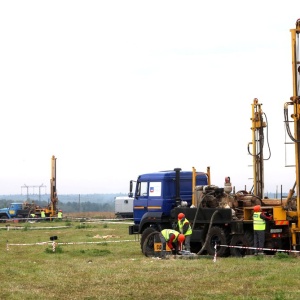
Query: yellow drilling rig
{"points": [[222, 220]]}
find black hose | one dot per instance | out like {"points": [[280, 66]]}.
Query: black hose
{"points": [[199, 204], [208, 232]]}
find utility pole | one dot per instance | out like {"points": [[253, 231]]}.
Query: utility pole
{"points": [[79, 202], [25, 186], [33, 187]]}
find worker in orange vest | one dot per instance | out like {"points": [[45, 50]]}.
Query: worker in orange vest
{"points": [[186, 229], [259, 227]]}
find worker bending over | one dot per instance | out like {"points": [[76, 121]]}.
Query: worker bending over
{"points": [[173, 239]]}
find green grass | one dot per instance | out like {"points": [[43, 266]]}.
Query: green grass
{"points": [[101, 269]]}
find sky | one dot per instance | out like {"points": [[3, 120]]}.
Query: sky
{"points": [[114, 89]]}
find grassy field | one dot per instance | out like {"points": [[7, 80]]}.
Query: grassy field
{"points": [[99, 260]]}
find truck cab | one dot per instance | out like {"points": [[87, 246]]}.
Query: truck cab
{"points": [[156, 194], [15, 210]]}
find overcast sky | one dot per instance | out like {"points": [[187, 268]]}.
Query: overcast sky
{"points": [[115, 89]]}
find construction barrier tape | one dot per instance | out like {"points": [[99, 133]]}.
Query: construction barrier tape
{"points": [[66, 243], [9, 226], [260, 249], [31, 228], [215, 256], [83, 219]]}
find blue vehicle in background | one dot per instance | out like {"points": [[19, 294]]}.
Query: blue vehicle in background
{"points": [[15, 211]]}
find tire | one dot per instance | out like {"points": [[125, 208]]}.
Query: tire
{"points": [[145, 234], [148, 246], [244, 240], [217, 236]]}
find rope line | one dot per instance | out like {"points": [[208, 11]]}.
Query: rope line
{"points": [[261, 249], [65, 243]]}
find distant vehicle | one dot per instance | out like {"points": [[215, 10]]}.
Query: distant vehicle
{"points": [[24, 210], [15, 210], [124, 207]]}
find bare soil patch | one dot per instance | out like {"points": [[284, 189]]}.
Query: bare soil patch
{"points": [[94, 214]]}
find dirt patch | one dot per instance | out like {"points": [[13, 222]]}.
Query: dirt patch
{"points": [[94, 214], [105, 236]]}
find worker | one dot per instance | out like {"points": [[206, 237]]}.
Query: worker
{"points": [[173, 239], [186, 229], [59, 214], [43, 215], [259, 226]]}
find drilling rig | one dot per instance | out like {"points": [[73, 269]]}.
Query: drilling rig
{"points": [[258, 141], [51, 209], [221, 219], [24, 210], [293, 199], [53, 195]]}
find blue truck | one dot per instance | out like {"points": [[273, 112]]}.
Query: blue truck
{"points": [[156, 194], [15, 211], [221, 220], [160, 196]]}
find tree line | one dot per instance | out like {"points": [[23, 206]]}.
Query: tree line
{"points": [[71, 206]]}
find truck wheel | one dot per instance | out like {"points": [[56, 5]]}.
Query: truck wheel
{"points": [[217, 236], [244, 240], [148, 246], [145, 234], [3, 219]]}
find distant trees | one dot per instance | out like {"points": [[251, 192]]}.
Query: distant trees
{"points": [[67, 202], [70, 206], [86, 207], [5, 203]]}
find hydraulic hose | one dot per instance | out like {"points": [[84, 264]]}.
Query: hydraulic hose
{"points": [[207, 235], [199, 204], [210, 223]]}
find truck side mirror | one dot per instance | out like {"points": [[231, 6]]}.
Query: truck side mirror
{"points": [[130, 194]]}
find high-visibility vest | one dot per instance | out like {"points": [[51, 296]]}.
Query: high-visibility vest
{"points": [[181, 224], [43, 214], [258, 223], [59, 215], [166, 234]]}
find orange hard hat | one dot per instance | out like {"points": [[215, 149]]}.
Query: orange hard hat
{"points": [[181, 216], [257, 208], [181, 238]]}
